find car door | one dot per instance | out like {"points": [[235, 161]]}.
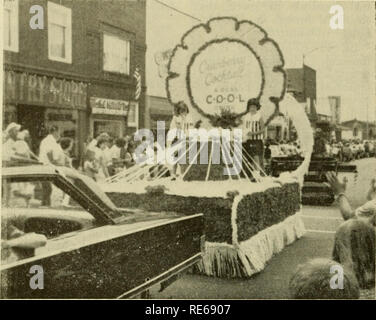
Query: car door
{"points": [[107, 261], [60, 229], [98, 259]]}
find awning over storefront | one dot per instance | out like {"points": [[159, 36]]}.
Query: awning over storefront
{"points": [[160, 106], [155, 112], [159, 110]]}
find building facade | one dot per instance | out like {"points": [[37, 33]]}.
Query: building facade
{"points": [[76, 69], [158, 108], [358, 130], [335, 109], [301, 83], [324, 110]]}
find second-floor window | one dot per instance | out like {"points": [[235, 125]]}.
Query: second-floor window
{"points": [[59, 33], [10, 24], [116, 54]]}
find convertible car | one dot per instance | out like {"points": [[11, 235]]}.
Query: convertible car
{"points": [[90, 248]]}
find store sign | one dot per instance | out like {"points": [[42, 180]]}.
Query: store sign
{"points": [[109, 106], [43, 91]]}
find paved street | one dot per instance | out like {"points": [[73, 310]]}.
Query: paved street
{"points": [[320, 222]]}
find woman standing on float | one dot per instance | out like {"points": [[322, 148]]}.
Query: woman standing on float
{"points": [[181, 123], [253, 136]]}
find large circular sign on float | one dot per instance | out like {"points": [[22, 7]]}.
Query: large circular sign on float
{"points": [[219, 65], [223, 76]]}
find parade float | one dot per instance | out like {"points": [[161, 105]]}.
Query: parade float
{"points": [[248, 218]]}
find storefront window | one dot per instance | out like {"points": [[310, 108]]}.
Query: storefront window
{"points": [[112, 127], [9, 115]]}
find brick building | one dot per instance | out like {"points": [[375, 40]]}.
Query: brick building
{"points": [[77, 70]]}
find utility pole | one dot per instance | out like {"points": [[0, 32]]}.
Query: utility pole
{"points": [[367, 133], [304, 55]]}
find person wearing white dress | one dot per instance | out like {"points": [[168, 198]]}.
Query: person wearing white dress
{"points": [[180, 125], [253, 135]]}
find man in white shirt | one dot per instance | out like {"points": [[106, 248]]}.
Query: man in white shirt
{"points": [[49, 151]]}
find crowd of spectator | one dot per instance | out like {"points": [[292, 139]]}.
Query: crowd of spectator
{"points": [[106, 156], [103, 155], [343, 150], [353, 149]]}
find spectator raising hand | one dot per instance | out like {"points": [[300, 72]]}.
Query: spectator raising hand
{"points": [[337, 186], [354, 243]]}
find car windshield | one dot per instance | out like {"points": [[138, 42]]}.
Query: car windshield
{"points": [[89, 185], [38, 186], [38, 194], [91, 189], [39, 207]]}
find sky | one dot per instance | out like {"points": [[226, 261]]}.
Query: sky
{"points": [[344, 62]]}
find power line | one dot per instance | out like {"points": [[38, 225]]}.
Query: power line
{"points": [[177, 10], [189, 15]]}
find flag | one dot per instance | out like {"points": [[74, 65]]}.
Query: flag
{"points": [[137, 76]]}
